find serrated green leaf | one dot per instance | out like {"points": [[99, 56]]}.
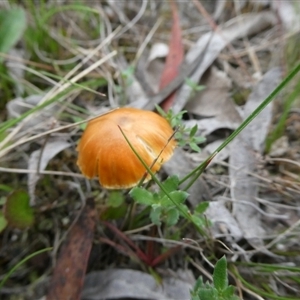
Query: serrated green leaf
{"points": [[172, 216], [208, 294], [177, 197], [142, 196], [155, 214], [12, 26], [193, 131], [228, 292], [220, 274], [199, 283], [202, 207], [17, 211], [170, 184], [115, 199], [184, 208]]}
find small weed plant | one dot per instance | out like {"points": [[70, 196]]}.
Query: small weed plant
{"points": [[218, 289]]}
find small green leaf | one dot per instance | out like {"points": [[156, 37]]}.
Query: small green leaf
{"points": [[193, 131], [208, 294], [195, 147], [6, 188], [202, 207], [229, 292], [199, 284], [172, 216], [141, 195], [3, 222], [199, 139], [200, 88], [181, 143], [115, 199], [17, 211], [78, 119], [220, 274], [171, 184], [193, 85], [184, 208], [160, 111], [114, 213], [177, 196], [127, 75], [178, 135], [155, 214], [12, 26], [200, 222]]}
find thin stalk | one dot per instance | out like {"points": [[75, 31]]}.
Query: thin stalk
{"points": [[23, 261]]}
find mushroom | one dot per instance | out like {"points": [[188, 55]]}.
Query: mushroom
{"points": [[104, 152]]}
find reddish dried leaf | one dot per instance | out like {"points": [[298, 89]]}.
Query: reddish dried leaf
{"points": [[174, 58], [69, 273], [141, 255]]}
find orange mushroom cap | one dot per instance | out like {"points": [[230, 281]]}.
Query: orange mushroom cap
{"points": [[104, 152]]}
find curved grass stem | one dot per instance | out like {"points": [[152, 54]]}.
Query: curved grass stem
{"points": [[194, 175]]}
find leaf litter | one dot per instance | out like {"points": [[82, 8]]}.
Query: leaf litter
{"points": [[246, 150], [127, 283], [236, 185]]}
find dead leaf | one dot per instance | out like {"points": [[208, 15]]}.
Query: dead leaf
{"points": [[39, 160], [214, 99], [280, 147], [174, 58], [18, 106], [208, 125], [68, 276], [158, 50], [17, 69], [288, 12], [214, 103], [198, 158], [245, 152], [241, 26], [153, 74], [223, 223], [134, 91], [125, 283]]}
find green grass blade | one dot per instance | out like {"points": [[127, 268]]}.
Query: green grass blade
{"points": [[13, 269], [198, 171], [8, 124], [279, 129]]}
